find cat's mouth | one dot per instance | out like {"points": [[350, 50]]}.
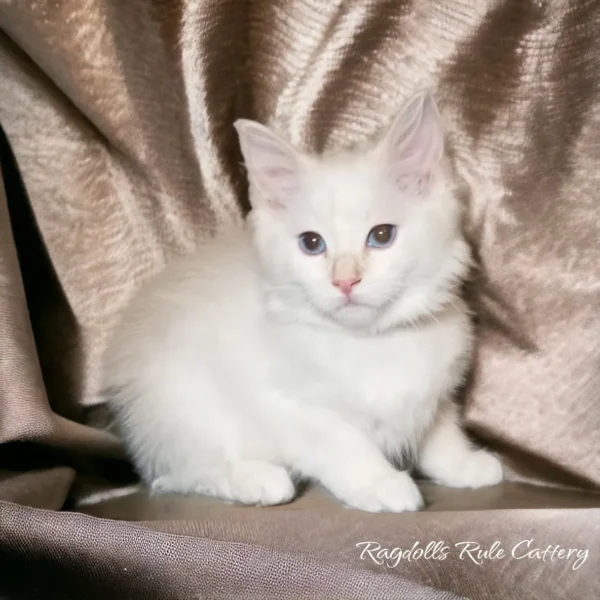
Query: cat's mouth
{"points": [[353, 312], [357, 303], [348, 301], [352, 307], [355, 299], [353, 302]]}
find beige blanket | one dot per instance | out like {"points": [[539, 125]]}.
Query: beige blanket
{"points": [[122, 154]]}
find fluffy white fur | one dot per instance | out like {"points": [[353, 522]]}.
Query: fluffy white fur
{"points": [[242, 366]]}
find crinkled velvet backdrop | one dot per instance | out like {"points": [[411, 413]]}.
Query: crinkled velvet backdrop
{"points": [[119, 114]]}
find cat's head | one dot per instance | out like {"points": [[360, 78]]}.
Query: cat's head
{"points": [[358, 235]]}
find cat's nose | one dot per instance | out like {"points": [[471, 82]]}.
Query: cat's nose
{"points": [[346, 284]]}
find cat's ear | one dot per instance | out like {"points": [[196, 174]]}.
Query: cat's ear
{"points": [[414, 145], [274, 167]]}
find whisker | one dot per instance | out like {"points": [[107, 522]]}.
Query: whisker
{"points": [[432, 315], [461, 312]]}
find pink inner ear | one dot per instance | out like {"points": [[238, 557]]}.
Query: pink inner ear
{"points": [[414, 145], [277, 173], [273, 165]]}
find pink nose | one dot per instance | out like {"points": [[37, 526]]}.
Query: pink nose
{"points": [[346, 285]]}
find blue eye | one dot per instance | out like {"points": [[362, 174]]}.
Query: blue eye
{"points": [[381, 236], [312, 243]]}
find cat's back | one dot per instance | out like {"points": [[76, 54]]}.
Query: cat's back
{"points": [[187, 303], [212, 276]]}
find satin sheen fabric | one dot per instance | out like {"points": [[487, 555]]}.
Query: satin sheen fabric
{"points": [[120, 154]]}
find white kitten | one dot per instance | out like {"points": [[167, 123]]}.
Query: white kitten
{"points": [[324, 341]]}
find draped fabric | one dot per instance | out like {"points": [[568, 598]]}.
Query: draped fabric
{"points": [[118, 153]]}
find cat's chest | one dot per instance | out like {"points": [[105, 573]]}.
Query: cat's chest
{"points": [[379, 369], [382, 371]]}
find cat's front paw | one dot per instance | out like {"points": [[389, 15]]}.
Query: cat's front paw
{"points": [[475, 469], [252, 482], [259, 483], [395, 492]]}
